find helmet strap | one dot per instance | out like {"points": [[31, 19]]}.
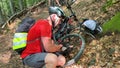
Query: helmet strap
{"points": [[53, 23]]}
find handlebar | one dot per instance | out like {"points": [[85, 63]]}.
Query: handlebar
{"points": [[71, 11]]}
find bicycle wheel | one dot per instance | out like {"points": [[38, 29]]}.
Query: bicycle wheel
{"points": [[75, 45]]}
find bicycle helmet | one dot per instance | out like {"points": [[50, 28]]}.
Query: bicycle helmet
{"points": [[56, 10], [92, 26]]}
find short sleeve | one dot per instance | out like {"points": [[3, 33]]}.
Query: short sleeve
{"points": [[45, 30]]}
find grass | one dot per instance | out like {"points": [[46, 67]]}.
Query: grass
{"points": [[107, 4], [113, 25]]}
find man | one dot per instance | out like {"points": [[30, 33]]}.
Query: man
{"points": [[40, 49]]}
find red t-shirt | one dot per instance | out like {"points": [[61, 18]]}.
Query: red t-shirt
{"points": [[40, 29]]}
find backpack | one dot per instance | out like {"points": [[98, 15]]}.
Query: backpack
{"points": [[20, 36]]}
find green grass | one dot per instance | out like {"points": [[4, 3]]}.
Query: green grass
{"points": [[113, 25], [108, 4]]}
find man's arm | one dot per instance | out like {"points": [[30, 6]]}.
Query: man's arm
{"points": [[49, 45]]}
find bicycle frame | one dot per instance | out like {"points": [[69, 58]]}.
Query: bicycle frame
{"points": [[63, 30]]}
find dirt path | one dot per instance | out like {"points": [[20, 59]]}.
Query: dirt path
{"points": [[100, 53]]}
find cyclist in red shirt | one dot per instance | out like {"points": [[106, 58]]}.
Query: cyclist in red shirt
{"points": [[40, 47]]}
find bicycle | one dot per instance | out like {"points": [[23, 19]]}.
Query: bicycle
{"points": [[70, 35], [61, 2], [54, 2], [73, 43]]}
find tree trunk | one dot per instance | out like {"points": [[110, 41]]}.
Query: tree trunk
{"points": [[11, 6], [21, 4], [24, 4], [1, 19], [0, 15]]}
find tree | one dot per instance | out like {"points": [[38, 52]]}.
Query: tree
{"points": [[21, 4], [1, 19], [11, 6]]}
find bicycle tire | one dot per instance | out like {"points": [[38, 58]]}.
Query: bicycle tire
{"points": [[77, 40]]}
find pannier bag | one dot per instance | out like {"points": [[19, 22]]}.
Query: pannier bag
{"points": [[92, 26]]}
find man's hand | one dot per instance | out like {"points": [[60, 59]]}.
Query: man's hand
{"points": [[59, 47], [49, 45]]}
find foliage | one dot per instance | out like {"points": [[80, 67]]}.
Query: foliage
{"points": [[108, 4], [112, 25], [4, 5], [11, 7]]}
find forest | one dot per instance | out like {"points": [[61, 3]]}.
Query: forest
{"points": [[101, 52], [9, 8]]}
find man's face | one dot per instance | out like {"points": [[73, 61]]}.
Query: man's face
{"points": [[57, 21]]}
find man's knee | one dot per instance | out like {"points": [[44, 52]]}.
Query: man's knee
{"points": [[51, 58], [61, 60]]}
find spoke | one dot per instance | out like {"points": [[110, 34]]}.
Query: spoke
{"points": [[73, 44]]}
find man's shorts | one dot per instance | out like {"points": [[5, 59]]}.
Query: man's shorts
{"points": [[35, 60]]}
